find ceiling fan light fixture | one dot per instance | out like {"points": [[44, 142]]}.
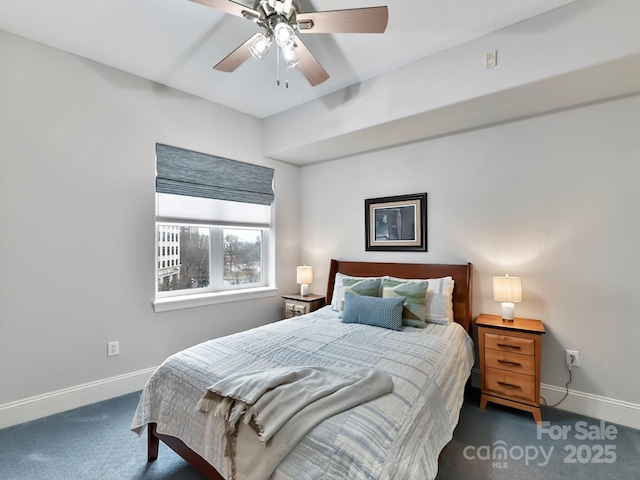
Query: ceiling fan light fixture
{"points": [[260, 46], [291, 58], [283, 21], [284, 34]]}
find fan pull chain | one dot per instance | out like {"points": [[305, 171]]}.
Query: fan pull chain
{"points": [[278, 66], [278, 61]]}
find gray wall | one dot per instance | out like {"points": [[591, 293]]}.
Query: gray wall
{"points": [[77, 213], [552, 199]]}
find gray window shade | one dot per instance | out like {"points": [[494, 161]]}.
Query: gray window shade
{"points": [[183, 172]]}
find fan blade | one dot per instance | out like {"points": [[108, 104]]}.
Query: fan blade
{"points": [[309, 66], [356, 20], [228, 6], [236, 58]]}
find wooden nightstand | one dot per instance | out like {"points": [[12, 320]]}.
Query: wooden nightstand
{"points": [[296, 305], [510, 359]]}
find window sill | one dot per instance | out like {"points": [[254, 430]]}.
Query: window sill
{"points": [[202, 299]]}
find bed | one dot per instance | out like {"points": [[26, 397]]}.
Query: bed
{"points": [[397, 435]]}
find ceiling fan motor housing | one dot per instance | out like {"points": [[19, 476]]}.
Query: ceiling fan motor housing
{"points": [[268, 10]]}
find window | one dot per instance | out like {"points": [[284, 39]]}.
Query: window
{"points": [[213, 224], [242, 257], [212, 258], [192, 270]]}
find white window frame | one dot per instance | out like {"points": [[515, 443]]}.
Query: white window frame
{"points": [[216, 292]]}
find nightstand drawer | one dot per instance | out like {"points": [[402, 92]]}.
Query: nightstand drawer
{"points": [[510, 384], [296, 305], [295, 309], [508, 343], [513, 362]]}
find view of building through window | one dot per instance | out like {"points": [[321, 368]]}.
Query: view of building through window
{"points": [[213, 258]]}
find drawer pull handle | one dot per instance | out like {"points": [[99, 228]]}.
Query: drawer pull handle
{"points": [[504, 345], [509, 385], [512, 364]]}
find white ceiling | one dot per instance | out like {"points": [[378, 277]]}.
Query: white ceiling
{"points": [[176, 42]]}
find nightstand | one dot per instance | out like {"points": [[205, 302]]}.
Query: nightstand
{"points": [[510, 359], [296, 305]]}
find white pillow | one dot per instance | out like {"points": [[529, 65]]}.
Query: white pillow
{"points": [[439, 300], [337, 292]]}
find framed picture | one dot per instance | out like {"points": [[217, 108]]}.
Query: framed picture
{"points": [[396, 223]]}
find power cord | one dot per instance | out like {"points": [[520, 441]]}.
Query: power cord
{"points": [[569, 365]]}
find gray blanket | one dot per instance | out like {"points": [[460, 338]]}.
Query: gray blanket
{"points": [[266, 413]]}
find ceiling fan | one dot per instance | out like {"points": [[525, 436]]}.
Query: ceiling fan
{"points": [[281, 20]]}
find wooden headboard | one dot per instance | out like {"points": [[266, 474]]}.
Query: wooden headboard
{"points": [[461, 275]]}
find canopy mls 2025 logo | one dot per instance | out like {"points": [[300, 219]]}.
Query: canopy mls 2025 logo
{"points": [[596, 446]]}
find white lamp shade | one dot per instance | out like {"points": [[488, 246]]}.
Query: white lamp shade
{"points": [[304, 275], [291, 58], [507, 289], [260, 46], [284, 34]]}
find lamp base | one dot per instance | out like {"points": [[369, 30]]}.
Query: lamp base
{"points": [[508, 309], [304, 289]]}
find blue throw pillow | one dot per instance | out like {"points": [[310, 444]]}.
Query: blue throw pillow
{"points": [[375, 311]]}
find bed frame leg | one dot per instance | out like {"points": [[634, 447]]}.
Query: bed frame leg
{"points": [[153, 442]]}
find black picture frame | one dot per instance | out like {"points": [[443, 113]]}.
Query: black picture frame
{"points": [[396, 224]]}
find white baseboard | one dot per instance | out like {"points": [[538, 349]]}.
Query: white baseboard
{"points": [[62, 400], [594, 406]]}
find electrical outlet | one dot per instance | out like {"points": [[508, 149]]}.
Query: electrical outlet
{"points": [[113, 348], [575, 356], [491, 59]]}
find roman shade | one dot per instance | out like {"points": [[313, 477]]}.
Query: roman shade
{"points": [[194, 174]]}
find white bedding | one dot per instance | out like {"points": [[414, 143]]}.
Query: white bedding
{"points": [[396, 436]]}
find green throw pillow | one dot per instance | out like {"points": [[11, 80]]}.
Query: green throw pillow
{"points": [[415, 293], [366, 287]]}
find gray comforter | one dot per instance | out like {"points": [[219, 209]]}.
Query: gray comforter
{"points": [[394, 436]]}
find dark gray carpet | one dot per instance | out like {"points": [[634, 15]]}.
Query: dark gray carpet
{"points": [[94, 443], [88, 443], [479, 432]]}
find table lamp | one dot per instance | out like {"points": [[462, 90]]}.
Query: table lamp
{"points": [[304, 277], [507, 290]]}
